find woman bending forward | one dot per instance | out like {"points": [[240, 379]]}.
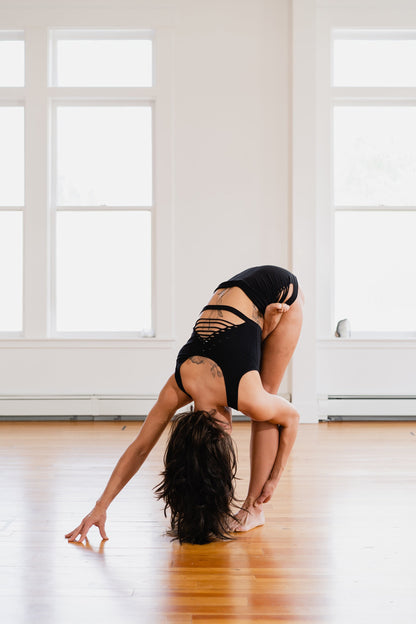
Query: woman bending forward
{"points": [[236, 357]]}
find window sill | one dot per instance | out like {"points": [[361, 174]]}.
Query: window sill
{"points": [[86, 343], [379, 341]]}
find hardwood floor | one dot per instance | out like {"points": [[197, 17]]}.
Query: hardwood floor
{"points": [[339, 545]]}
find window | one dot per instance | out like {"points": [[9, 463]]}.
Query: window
{"points": [[12, 58], [103, 257], [374, 168], [11, 182], [101, 58], [11, 270], [81, 142], [102, 183]]}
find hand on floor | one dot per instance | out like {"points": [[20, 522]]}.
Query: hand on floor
{"points": [[96, 517]]}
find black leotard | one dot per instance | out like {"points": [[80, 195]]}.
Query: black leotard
{"points": [[264, 285], [236, 348]]}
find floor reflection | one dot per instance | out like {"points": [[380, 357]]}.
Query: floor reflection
{"points": [[337, 546]]}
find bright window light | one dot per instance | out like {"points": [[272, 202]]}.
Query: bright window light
{"points": [[12, 59], [374, 63], [104, 155], [375, 270], [375, 155], [103, 280], [11, 156], [115, 61], [11, 270]]}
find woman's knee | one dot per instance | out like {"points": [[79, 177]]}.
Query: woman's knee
{"points": [[271, 386], [274, 409]]}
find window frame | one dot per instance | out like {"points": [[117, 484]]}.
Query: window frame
{"points": [[106, 34], [38, 96], [55, 208], [13, 96], [14, 34], [330, 24], [21, 208]]}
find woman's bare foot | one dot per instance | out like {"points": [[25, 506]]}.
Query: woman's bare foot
{"points": [[247, 519]]}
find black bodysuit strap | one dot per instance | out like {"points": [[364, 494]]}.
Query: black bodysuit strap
{"points": [[229, 309]]}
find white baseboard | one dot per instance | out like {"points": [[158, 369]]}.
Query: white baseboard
{"points": [[76, 407], [82, 407], [367, 407]]}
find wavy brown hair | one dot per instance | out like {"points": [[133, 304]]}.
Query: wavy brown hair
{"points": [[198, 479]]}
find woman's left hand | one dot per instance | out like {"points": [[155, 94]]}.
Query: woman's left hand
{"points": [[267, 492]]}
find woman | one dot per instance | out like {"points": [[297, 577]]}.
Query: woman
{"points": [[236, 357]]}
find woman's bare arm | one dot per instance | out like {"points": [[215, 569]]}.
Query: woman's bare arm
{"points": [[281, 413], [169, 401], [262, 406]]}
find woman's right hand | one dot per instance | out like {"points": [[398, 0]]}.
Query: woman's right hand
{"points": [[272, 317], [96, 517], [267, 492]]}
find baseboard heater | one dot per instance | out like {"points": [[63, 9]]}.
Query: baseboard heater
{"points": [[82, 407], [367, 407], [77, 407]]}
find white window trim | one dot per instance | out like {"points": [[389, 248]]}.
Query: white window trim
{"points": [[37, 96], [12, 96], [346, 20], [55, 208]]}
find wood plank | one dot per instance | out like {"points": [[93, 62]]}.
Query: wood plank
{"points": [[338, 545]]}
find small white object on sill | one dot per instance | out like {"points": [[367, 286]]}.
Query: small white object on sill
{"points": [[343, 329]]}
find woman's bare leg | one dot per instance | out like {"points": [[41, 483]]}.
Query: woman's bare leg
{"points": [[264, 436], [277, 351]]}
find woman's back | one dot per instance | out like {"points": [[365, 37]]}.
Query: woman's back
{"points": [[202, 376]]}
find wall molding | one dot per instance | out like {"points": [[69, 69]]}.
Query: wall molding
{"points": [[75, 407], [366, 343], [77, 343], [84, 407]]}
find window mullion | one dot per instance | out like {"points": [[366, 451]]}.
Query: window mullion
{"points": [[122, 96], [106, 207], [163, 185], [36, 222]]}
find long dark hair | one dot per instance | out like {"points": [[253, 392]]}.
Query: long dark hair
{"points": [[198, 480]]}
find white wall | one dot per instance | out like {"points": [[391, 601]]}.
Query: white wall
{"points": [[231, 144], [246, 148], [366, 367], [231, 179]]}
